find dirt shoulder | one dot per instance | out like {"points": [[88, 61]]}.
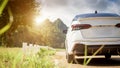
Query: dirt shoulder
{"points": [[60, 61]]}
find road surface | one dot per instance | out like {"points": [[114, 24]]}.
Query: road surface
{"points": [[61, 62]]}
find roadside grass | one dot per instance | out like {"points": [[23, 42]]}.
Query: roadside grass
{"points": [[15, 58]]}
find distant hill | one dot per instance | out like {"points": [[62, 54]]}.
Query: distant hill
{"points": [[59, 23]]}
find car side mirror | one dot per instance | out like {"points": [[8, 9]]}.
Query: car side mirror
{"points": [[65, 31]]}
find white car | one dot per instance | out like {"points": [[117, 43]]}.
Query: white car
{"points": [[93, 30]]}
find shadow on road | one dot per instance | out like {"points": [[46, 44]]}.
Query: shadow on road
{"points": [[103, 62]]}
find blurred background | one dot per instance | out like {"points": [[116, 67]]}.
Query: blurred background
{"points": [[29, 26]]}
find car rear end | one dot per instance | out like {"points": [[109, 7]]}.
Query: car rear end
{"points": [[94, 30]]}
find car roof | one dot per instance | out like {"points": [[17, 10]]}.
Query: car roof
{"points": [[95, 15]]}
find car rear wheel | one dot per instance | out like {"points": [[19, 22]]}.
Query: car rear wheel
{"points": [[70, 58]]}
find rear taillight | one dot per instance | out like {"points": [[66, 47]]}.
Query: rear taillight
{"points": [[117, 25], [80, 26]]}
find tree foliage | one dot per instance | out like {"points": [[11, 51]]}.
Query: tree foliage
{"points": [[47, 34], [23, 13]]}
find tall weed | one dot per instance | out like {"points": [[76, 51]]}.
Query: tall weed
{"points": [[14, 58]]}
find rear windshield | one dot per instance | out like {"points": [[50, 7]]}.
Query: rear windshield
{"points": [[81, 16]]}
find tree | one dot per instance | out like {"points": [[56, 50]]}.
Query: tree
{"points": [[23, 13], [52, 34]]}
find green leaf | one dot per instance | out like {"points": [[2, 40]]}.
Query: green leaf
{"points": [[5, 28], [3, 5]]}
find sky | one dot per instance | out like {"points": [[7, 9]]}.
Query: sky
{"points": [[67, 9]]}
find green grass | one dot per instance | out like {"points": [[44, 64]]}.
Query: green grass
{"points": [[15, 58]]}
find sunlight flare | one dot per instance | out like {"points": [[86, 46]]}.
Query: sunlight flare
{"points": [[39, 19]]}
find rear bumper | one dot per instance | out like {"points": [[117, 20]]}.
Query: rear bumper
{"points": [[112, 49], [111, 45], [91, 49]]}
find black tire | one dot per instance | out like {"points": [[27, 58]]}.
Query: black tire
{"points": [[70, 58], [107, 56]]}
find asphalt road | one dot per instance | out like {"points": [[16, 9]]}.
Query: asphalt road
{"points": [[60, 60]]}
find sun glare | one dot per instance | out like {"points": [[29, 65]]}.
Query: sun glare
{"points": [[39, 19]]}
